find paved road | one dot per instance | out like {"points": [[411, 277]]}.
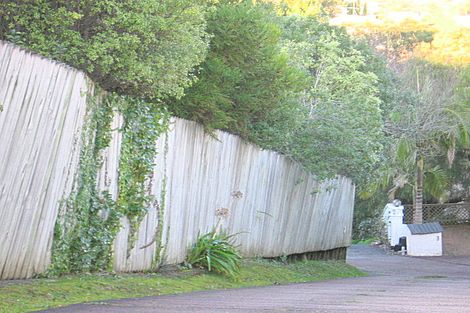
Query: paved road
{"points": [[396, 284]]}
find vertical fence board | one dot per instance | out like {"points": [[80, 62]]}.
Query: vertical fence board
{"points": [[44, 106]]}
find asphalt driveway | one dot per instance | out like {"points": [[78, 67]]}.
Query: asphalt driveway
{"points": [[396, 284]]}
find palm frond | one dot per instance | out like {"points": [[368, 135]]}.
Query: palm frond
{"points": [[437, 181]]}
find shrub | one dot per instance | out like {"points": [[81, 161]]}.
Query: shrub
{"points": [[246, 77], [216, 252], [142, 48], [372, 227]]}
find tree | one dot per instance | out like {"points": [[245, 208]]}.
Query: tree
{"points": [[143, 48], [342, 134], [433, 30], [245, 80], [316, 100], [430, 123]]}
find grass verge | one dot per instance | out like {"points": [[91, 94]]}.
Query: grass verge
{"points": [[39, 294]]}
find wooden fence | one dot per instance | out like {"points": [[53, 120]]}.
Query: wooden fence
{"points": [[43, 110], [275, 206]]}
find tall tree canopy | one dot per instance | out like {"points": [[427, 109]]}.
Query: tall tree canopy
{"points": [[292, 84], [307, 7], [428, 129], [246, 76], [342, 133]]}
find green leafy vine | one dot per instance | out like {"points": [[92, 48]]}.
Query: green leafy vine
{"points": [[143, 124], [89, 219], [159, 250]]}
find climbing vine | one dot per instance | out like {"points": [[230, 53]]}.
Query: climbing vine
{"points": [[89, 219], [159, 250], [143, 125]]}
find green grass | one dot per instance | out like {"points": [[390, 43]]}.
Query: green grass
{"points": [[38, 294]]}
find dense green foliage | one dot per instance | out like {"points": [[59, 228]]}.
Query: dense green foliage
{"points": [[343, 131], [143, 48], [291, 84], [246, 77], [215, 252]]}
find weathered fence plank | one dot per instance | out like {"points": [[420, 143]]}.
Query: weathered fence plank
{"points": [[44, 106]]}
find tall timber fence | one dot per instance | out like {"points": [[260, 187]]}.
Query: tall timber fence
{"points": [[43, 108], [275, 206]]}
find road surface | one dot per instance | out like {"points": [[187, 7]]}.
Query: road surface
{"points": [[395, 284]]}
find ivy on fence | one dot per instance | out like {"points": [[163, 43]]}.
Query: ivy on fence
{"points": [[143, 125], [89, 219]]}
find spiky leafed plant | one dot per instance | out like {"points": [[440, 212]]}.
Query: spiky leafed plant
{"points": [[216, 252]]}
